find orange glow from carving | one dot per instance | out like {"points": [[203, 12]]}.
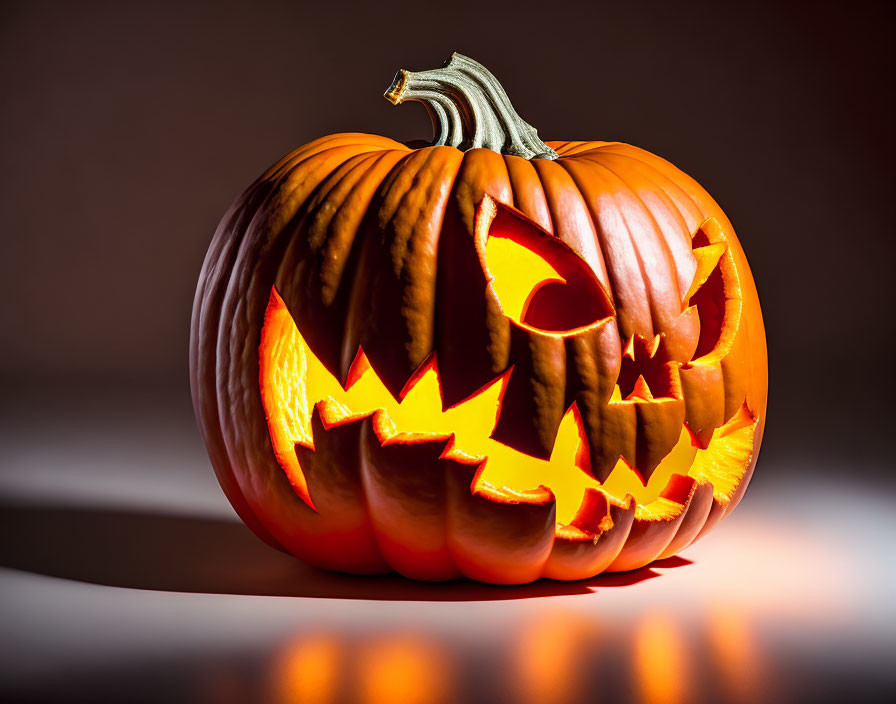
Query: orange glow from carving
{"points": [[736, 654], [293, 381], [325, 668], [403, 669], [308, 671], [660, 668], [552, 657]]}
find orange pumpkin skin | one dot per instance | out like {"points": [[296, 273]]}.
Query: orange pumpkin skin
{"points": [[368, 243]]}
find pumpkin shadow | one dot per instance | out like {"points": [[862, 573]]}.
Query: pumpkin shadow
{"points": [[200, 555]]}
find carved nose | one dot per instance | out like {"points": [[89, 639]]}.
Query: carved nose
{"points": [[539, 281]]}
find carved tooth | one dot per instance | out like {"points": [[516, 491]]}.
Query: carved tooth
{"points": [[629, 350], [490, 534], [404, 482], [659, 429], [592, 515], [534, 399], [497, 534], [695, 517], [651, 533], [640, 390], [659, 424], [340, 509], [642, 429], [593, 540], [616, 437], [592, 366], [358, 367], [703, 385]]}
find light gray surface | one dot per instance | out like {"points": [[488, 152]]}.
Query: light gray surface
{"points": [[114, 533]]}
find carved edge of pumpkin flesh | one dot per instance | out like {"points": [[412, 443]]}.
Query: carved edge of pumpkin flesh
{"points": [[469, 524]]}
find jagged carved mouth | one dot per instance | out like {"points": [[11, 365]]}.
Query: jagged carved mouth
{"points": [[302, 398], [304, 402]]}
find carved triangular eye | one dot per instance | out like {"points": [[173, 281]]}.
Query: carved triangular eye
{"points": [[539, 281]]}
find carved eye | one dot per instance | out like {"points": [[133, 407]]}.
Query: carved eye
{"points": [[540, 282]]}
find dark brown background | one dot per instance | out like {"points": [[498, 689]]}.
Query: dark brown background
{"points": [[128, 128]]}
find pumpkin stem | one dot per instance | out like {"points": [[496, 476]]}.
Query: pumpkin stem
{"points": [[469, 109]]}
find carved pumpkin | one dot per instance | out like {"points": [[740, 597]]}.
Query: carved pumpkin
{"points": [[490, 357]]}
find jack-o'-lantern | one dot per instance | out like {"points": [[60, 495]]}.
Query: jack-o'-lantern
{"points": [[492, 356]]}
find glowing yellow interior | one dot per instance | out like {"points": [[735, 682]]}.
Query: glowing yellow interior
{"points": [[516, 274], [293, 381], [540, 283]]}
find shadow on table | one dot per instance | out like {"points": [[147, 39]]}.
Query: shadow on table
{"points": [[201, 555]]}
